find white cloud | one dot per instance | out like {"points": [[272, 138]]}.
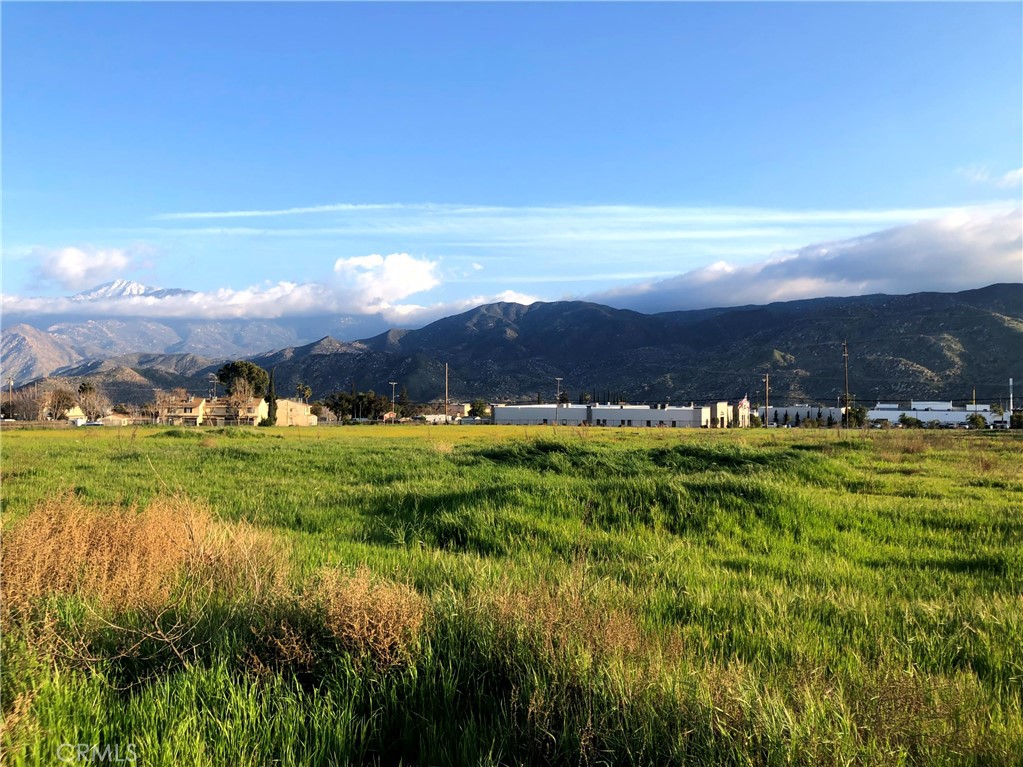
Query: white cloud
{"points": [[76, 268], [421, 315], [374, 283], [966, 249], [955, 249]]}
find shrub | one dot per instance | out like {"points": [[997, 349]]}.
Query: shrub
{"points": [[371, 618]]}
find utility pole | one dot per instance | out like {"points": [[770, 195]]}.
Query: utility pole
{"points": [[446, 392], [557, 403], [845, 359], [767, 396], [974, 399], [394, 416], [1010, 398]]}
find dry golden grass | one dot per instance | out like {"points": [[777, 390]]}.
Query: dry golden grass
{"points": [[124, 559], [563, 617], [371, 617]]}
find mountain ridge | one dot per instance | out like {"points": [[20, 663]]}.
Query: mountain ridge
{"points": [[923, 345]]}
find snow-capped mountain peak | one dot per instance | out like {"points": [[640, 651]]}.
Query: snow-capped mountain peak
{"points": [[119, 289], [115, 289]]}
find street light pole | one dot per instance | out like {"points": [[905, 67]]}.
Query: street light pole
{"points": [[394, 416], [767, 396], [845, 360]]}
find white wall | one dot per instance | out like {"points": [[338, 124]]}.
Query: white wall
{"points": [[526, 415]]}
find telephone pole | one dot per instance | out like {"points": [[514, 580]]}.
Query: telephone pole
{"points": [[445, 392], [557, 403], [394, 416], [767, 395], [845, 359]]}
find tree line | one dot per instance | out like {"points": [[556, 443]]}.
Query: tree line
{"points": [[34, 404]]}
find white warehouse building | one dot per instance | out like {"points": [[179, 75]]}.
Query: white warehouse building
{"points": [[720, 414], [540, 415], [942, 412], [669, 416]]}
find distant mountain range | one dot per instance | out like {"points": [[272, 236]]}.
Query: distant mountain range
{"points": [[33, 347], [923, 346]]}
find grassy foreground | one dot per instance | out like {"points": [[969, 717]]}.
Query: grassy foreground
{"points": [[474, 595]]}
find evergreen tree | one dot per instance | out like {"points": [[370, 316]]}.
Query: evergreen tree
{"points": [[243, 369], [271, 401]]}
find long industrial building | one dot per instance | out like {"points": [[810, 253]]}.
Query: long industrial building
{"points": [[717, 415]]}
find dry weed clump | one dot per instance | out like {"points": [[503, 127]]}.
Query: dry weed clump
{"points": [[125, 559], [379, 619], [241, 562], [121, 558]]}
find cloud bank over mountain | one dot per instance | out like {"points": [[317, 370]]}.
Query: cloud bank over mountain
{"points": [[966, 249], [962, 248], [373, 285]]}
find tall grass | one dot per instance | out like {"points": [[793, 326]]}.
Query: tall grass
{"points": [[507, 596]]}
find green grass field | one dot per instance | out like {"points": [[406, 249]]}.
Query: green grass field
{"points": [[508, 595]]}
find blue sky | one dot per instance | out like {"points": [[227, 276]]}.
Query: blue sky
{"points": [[409, 160]]}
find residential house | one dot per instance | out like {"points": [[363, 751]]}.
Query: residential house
{"points": [[221, 412], [294, 413], [190, 411]]}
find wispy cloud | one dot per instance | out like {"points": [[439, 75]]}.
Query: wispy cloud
{"points": [[340, 207], [981, 174], [1012, 178], [581, 238], [965, 249], [976, 174]]}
